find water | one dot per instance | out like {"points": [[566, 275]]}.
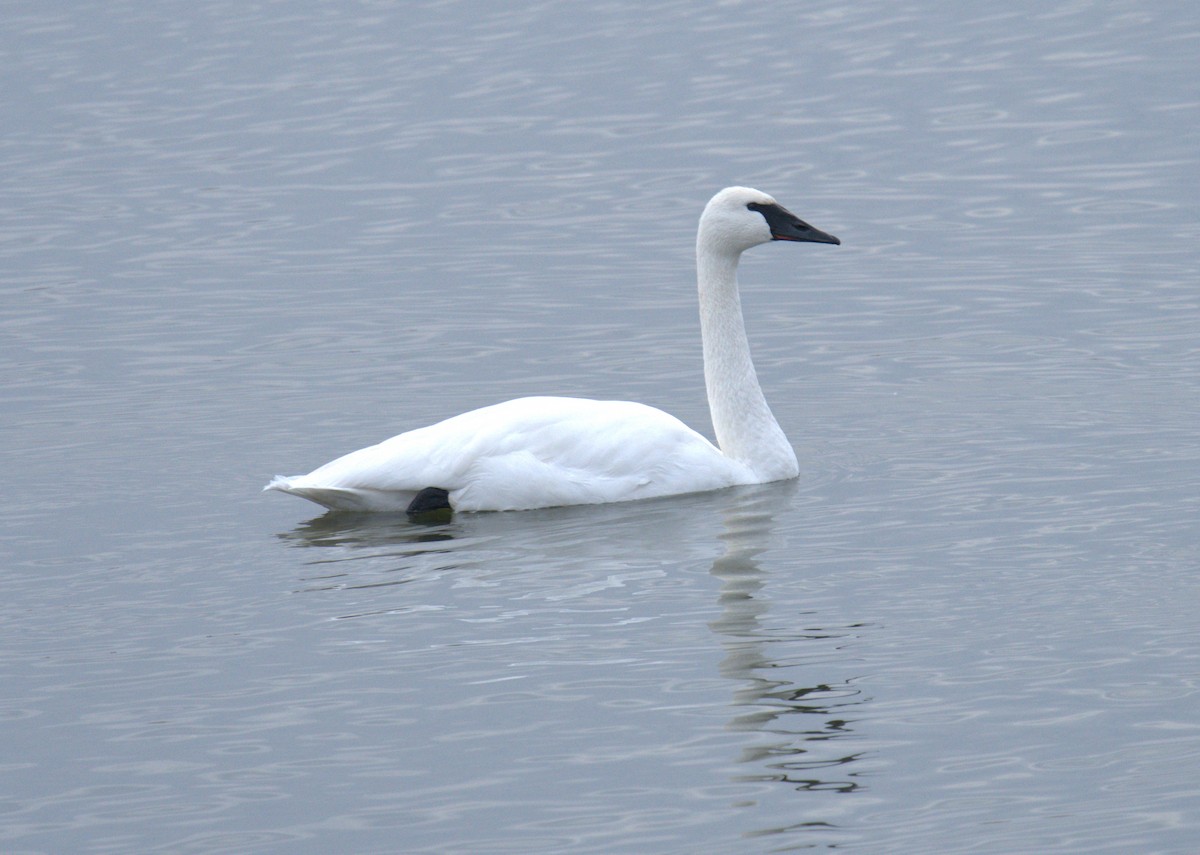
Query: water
{"points": [[239, 240]]}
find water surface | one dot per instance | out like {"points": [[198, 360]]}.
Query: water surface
{"points": [[241, 240]]}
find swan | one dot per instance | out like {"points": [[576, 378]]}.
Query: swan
{"points": [[548, 451]]}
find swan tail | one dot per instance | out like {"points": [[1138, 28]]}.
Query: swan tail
{"points": [[342, 498]]}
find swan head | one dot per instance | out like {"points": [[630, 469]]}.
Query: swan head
{"points": [[738, 218]]}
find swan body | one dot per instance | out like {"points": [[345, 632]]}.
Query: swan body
{"points": [[548, 451]]}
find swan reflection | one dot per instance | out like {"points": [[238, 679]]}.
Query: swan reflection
{"points": [[804, 726], [573, 581]]}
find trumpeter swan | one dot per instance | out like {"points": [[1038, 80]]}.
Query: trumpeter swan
{"points": [[547, 451]]}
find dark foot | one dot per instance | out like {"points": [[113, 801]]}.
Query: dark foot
{"points": [[430, 501]]}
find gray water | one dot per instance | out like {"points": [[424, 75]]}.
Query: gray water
{"points": [[239, 239]]}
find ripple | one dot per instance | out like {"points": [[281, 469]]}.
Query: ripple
{"points": [[1075, 136], [970, 117], [1120, 206]]}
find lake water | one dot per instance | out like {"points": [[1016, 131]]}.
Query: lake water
{"points": [[241, 239]]}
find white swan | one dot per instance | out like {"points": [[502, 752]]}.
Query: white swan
{"points": [[543, 452]]}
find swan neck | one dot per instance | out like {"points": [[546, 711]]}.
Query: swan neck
{"points": [[745, 428]]}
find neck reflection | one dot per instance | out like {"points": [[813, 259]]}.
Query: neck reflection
{"points": [[787, 686]]}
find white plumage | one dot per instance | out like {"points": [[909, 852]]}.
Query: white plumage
{"points": [[548, 451]]}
